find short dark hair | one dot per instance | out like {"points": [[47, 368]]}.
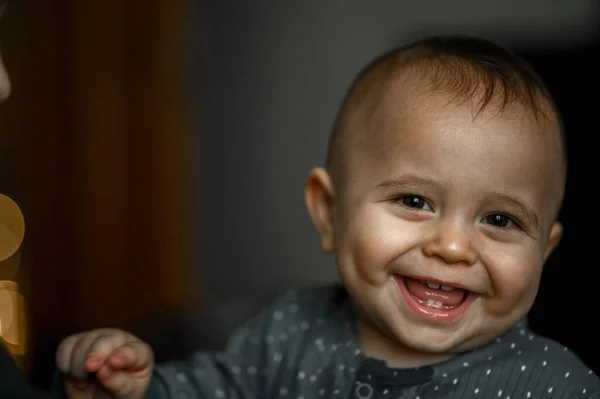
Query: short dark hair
{"points": [[465, 66]]}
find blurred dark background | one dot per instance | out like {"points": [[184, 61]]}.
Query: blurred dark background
{"points": [[159, 149]]}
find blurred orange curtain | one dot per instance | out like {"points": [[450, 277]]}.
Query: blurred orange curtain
{"points": [[103, 170]]}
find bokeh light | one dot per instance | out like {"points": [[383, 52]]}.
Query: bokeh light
{"points": [[12, 303]]}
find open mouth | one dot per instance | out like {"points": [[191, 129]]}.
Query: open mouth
{"points": [[435, 295], [433, 299]]}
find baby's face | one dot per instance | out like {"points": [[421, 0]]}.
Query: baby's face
{"points": [[443, 221]]}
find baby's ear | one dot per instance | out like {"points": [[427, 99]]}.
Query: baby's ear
{"points": [[556, 233], [320, 200]]}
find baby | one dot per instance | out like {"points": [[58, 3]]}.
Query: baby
{"points": [[445, 175]]}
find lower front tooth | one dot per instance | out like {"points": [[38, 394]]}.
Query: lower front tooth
{"points": [[434, 304]]}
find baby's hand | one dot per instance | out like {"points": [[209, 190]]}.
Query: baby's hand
{"points": [[122, 364]]}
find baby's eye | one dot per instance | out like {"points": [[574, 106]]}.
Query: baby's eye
{"points": [[501, 221], [414, 202]]}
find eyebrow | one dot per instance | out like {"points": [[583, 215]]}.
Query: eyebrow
{"points": [[408, 180], [531, 215]]}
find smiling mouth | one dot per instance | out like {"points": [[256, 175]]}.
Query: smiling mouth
{"points": [[434, 295], [434, 300]]}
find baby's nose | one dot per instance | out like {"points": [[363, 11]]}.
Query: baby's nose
{"points": [[453, 244]]}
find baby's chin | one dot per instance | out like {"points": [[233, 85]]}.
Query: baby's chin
{"points": [[475, 329], [432, 339], [435, 340]]}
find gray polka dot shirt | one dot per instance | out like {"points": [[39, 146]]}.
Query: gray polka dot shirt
{"points": [[304, 346]]}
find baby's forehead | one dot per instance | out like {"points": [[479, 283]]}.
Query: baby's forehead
{"points": [[408, 98], [405, 117]]}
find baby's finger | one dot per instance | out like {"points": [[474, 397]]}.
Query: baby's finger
{"points": [[102, 348], [134, 356], [65, 352], [79, 354], [98, 344], [120, 383]]}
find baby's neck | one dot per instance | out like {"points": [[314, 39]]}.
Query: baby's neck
{"points": [[377, 345]]}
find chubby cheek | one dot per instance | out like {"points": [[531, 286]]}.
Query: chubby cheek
{"points": [[370, 242], [515, 277]]}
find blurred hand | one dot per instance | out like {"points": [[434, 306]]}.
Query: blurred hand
{"points": [[105, 364]]}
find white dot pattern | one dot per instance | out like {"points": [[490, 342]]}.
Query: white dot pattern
{"points": [[311, 356]]}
